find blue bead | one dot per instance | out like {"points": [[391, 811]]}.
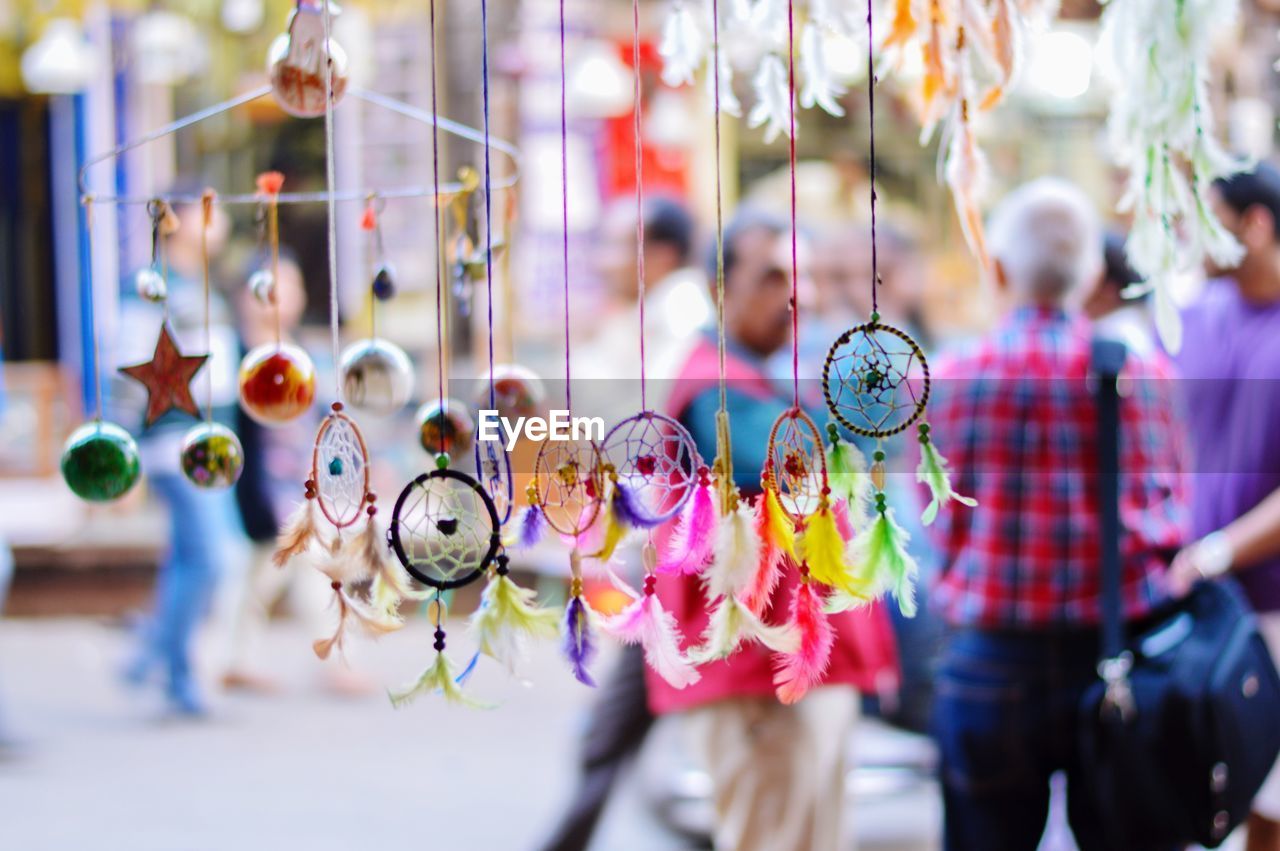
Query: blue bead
{"points": [[384, 286]]}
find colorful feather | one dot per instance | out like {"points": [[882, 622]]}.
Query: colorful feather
{"points": [[508, 616], [374, 623], [882, 557], [736, 555], [694, 541], [531, 525], [821, 548], [298, 533], [797, 672], [840, 511], [776, 534], [849, 478], [579, 644], [731, 623], [439, 678], [646, 623], [903, 28], [932, 471]]}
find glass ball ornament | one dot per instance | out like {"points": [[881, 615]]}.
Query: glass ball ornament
{"points": [[150, 285], [517, 392], [296, 63], [384, 284], [445, 427], [212, 456], [377, 376], [277, 383], [100, 462], [263, 286]]}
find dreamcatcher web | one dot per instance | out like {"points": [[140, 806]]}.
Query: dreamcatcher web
{"points": [[493, 468], [568, 484], [868, 380], [798, 464], [445, 530], [655, 458], [339, 470]]}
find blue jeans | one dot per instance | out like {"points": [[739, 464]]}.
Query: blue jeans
{"points": [[201, 525], [1006, 717]]}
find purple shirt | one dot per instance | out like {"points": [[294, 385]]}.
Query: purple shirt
{"points": [[1230, 363]]}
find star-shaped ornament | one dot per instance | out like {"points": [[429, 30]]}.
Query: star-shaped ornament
{"points": [[167, 377]]}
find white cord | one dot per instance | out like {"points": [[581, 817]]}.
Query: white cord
{"points": [[331, 200]]}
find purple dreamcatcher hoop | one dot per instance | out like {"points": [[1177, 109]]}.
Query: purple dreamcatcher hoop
{"points": [[655, 459]]}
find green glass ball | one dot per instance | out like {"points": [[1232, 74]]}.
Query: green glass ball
{"points": [[212, 456], [100, 462]]}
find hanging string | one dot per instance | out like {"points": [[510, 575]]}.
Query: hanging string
{"points": [[871, 169], [795, 264], [273, 238], [206, 208], [331, 202], [720, 333], [488, 191], [564, 206], [88, 314], [639, 146], [156, 208], [435, 206]]}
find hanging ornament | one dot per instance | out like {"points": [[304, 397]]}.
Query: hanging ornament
{"points": [[444, 426], [377, 376], [384, 284], [867, 379], [167, 377], [212, 456], [262, 284], [517, 391], [150, 285], [100, 461], [297, 60], [277, 383], [646, 623]]}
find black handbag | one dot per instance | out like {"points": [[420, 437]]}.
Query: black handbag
{"points": [[1183, 725]]}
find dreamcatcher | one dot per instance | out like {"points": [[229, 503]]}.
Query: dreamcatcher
{"points": [[876, 383], [376, 374], [508, 614], [337, 493], [99, 459], [277, 379], [212, 456]]}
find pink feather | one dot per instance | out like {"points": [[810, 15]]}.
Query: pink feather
{"points": [[694, 539], [840, 511], [646, 623], [759, 592], [795, 673]]}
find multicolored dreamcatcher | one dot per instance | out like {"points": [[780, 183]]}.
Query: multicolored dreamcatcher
{"points": [[337, 493], [876, 383], [99, 459]]}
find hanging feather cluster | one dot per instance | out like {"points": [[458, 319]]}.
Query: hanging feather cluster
{"points": [[973, 53], [509, 617], [1162, 119], [694, 539], [797, 672], [933, 473], [646, 623]]}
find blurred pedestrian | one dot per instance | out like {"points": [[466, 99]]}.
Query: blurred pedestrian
{"points": [[204, 532], [1117, 312], [1230, 362], [777, 770], [1020, 578]]}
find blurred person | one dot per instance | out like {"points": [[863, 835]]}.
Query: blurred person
{"points": [[1230, 362], [6, 578], [1115, 315], [777, 770], [204, 533], [1020, 576], [266, 495]]}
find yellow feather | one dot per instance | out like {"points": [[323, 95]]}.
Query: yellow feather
{"points": [[779, 527], [822, 549]]}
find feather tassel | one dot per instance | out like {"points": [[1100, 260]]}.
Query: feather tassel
{"points": [[840, 511], [694, 540], [882, 556], [509, 616], [366, 552], [777, 541], [531, 526], [850, 481], [821, 549], [579, 643], [297, 535], [731, 624], [646, 623], [440, 677], [736, 554], [795, 673], [932, 471], [374, 623]]}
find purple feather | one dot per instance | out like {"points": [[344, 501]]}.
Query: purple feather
{"points": [[532, 524], [578, 644], [627, 510]]}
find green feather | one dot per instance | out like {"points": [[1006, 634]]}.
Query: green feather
{"points": [[847, 471], [881, 555], [933, 473], [509, 614], [438, 678]]}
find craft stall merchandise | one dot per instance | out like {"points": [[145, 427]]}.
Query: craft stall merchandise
{"points": [[822, 513]]}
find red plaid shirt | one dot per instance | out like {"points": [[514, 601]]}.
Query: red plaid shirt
{"points": [[1016, 418]]}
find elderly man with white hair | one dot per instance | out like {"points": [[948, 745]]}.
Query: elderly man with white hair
{"points": [[1019, 585]]}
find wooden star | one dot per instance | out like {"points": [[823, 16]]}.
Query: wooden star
{"points": [[167, 377]]}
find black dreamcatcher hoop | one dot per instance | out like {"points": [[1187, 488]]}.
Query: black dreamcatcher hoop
{"points": [[795, 466], [876, 380], [444, 529], [655, 459]]}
